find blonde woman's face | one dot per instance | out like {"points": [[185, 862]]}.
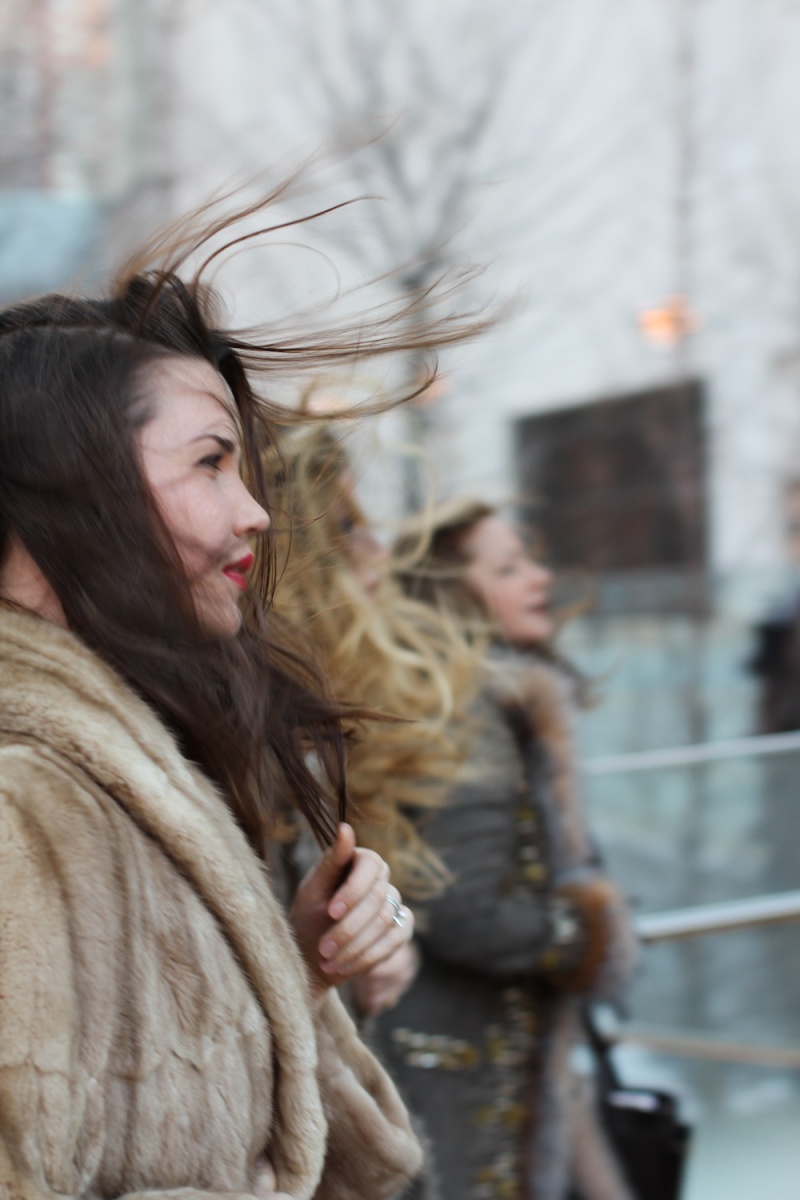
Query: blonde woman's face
{"points": [[361, 550], [514, 590]]}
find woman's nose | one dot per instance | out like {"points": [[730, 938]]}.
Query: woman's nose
{"points": [[374, 550], [251, 518], [543, 575]]}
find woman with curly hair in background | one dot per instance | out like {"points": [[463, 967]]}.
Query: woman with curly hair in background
{"points": [[531, 926]]}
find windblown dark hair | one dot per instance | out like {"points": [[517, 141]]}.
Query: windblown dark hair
{"points": [[73, 391]]}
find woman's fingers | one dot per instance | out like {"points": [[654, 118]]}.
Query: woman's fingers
{"points": [[323, 881], [367, 870], [391, 918], [347, 915], [381, 988], [378, 926], [399, 933], [265, 1183], [381, 948], [370, 915]]}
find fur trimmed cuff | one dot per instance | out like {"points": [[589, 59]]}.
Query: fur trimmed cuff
{"points": [[609, 945]]}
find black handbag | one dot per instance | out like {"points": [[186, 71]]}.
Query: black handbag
{"points": [[644, 1126]]}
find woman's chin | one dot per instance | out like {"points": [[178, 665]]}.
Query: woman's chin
{"points": [[531, 633], [220, 622]]}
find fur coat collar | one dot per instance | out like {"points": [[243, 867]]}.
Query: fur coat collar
{"points": [[61, 702], [540, 698]]}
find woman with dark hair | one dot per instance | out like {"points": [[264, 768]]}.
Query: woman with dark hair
{"points": [[163, 1027], [530, 927]]}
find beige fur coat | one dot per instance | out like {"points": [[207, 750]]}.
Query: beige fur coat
{"points": [[155, 1030]]}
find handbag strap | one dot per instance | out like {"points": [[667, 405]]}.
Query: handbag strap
{"points": [[602, 1049]]}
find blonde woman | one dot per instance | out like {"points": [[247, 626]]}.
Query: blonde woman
{"points": [[378, 649]]}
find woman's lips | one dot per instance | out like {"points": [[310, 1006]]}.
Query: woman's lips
{"points": [[237, 571]]}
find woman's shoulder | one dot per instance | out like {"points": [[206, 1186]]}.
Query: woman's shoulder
{"points": [[56, 841], [47, 806], [56, 691], [64, 709], [31, 767], [531, 688]]}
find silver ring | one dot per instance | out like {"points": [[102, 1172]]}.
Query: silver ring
{"points": [[399, 914]]}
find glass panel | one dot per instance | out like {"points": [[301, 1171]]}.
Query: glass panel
{"points": [[685, 835]]}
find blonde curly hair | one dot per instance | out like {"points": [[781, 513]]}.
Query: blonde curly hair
{"points": [[409, 665]]}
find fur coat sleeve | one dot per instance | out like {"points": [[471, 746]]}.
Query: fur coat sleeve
{"points": [[155, 1030], [361, 1105]]}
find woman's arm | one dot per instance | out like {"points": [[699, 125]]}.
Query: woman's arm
{"points": [[577, 936], [382, 987], [346, 926], [372, 1150], [489, 920]]}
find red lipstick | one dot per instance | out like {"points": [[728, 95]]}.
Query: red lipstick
{"points": [[237, 571]]}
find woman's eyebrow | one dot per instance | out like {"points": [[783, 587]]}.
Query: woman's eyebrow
{"points": [[226, 444]]}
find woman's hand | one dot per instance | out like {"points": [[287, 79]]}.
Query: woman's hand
{"points": [[382, 987], [346, 915]]}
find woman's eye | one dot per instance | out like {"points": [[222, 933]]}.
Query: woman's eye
{"points": [[211, 460]]}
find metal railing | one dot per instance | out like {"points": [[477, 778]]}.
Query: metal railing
{"points": [[707, 1048], [693, 755], [755, 912]]}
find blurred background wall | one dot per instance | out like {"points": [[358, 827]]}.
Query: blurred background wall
{"points": [[84, 159], [623, 171]]}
